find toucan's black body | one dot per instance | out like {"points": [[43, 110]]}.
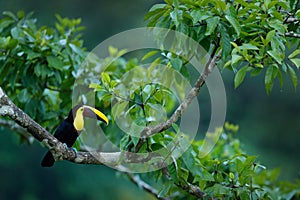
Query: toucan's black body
{"points": [[67, 133]]}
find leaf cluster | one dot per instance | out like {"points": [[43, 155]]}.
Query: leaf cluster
{"points": [[250, 34], [37, 63], [227, 172]]}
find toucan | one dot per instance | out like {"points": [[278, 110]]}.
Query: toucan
{"points": [[71, 127]]}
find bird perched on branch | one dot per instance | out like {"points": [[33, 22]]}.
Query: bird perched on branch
{"points": [[71, 127]]}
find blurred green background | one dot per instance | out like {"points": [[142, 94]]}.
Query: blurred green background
{"points": [[269, 125]]}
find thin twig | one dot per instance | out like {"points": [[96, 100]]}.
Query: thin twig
{"points": [[292, 34], [17, 129], [150, 130], [136, 179], [291, 20]]}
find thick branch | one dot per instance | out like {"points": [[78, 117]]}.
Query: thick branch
{"points": [[60, 152], [8, 108]]}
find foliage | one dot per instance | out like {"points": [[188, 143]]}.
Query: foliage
{"points": [[39, 66], [251, 34], [226, 173]]}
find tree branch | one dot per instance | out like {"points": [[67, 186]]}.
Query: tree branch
{"points": [[150, 130], [292, 34], [291, 20], [188, 187], [145, 186], [59, 151], [192, 189]]}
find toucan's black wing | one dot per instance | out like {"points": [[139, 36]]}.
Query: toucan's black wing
{"points": [[65, 133]]}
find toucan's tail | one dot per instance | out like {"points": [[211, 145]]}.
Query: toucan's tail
{"points": [[48, 160]]}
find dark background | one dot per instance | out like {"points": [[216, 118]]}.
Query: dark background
{"points": [[269, 125]]}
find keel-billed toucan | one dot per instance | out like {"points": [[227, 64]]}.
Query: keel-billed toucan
{"points": [[71, 127]]}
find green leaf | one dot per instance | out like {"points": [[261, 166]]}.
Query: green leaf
{"points": [[135, 140], [121, 52], [95, 86], [280, 78], [271, 74], [124, 142], [284, 67], [236, 47], [225, 42], [155, 12], [55, 62], [76, 49], [16, 33], [23, 95], [218, 189], [234, 22], [105, 78], [165, 189], [11, 15], [297, 14], [149, 54], [76, 145], [249, 46], [205, 175], [296, 61], [277, 25], [277, 56], [117, 109], [211, 25], [259, 65], [172, 168], [170, 2], [240, 76], [235, 58], [294, 54], [199, 15], [12, 44], [112, 51], [176, 63], [256, 71], [31, 54], [184, 174], [293, 76], [176, 4], [269, 37]]}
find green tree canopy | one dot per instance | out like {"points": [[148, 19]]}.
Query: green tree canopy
{"points": [[38, 67]]}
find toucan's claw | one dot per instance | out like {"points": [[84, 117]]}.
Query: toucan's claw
{"points": [[75, 151], [70, 128], [66, 146]]}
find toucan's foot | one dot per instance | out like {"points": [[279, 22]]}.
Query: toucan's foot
{"points": [[66, 146], [75, 151]]}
